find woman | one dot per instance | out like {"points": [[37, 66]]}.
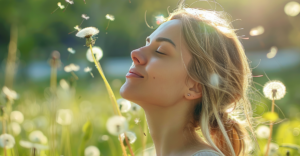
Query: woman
{"points": [[189, 75]]}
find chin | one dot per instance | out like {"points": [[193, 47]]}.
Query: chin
{"points": [[130, 93]]}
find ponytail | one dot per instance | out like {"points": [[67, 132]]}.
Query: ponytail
{"points": [[235, 132]]}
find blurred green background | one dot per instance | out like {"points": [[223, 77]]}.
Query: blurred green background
{"points": [[36, 33]]}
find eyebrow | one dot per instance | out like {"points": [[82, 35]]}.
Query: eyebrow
{"points": [[162, 39]]}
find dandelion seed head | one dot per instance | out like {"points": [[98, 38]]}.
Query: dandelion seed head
{"points": [[71, 67], [9, 94], [124, 105], [272, 53], [60, 6], [296, 131], [70, 1], [257, 31], [64, 84], [38, 137], [64, 117], [97, 51], [87, 32], [71, 50], [30, 145], [117, 125], [273, 148], [274, 89], [15, 127], [135, 107], [7, 141], [87, 69], [17, 116], [110, 17], [130, 136], [263, 132], [91, 151], [84, 16], [292, 8]]}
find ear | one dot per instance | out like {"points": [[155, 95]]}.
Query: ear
{"points": [[194, 91]]}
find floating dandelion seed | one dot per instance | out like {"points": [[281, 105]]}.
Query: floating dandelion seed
{"points": [[84, 16], [274, 90], [7, 141], [130, 135], [77, 28], [160, 19], [91, 151], [30, 145], [116, 125], [71, 50], [15, 127], [272, 53], [59, 6], [38, 136], [98, 53], [110, 18], [69, 2], [11, 95], [124, 105], [257, 31], [71, 67], [17, 116], [272, 149], [64, 84], [292, 8], [88, 69], [263, 132], [136, 120], [64, 117]]}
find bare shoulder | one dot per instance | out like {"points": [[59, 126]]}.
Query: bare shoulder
{"points": [[206, 153]]}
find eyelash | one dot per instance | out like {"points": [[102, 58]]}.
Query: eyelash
{"points": [[160, 52]]}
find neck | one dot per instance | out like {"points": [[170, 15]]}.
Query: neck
{"points": [[168, 128]]}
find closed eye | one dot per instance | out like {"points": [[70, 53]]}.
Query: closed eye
{"points": [[160, 52]]}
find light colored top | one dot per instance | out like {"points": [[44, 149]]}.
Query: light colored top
{"points": [[206, 153]]}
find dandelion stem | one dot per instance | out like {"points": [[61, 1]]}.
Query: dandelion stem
{"points": [[66, 7], [54, 10], [107, 25], [53, 83], [111, 96], [271, 129], [127, 142], [75, 76]]}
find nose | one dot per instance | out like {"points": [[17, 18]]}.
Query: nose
{"points": [[137, 57]]}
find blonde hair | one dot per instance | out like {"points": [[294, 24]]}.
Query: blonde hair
{"points": [[220, 65]]}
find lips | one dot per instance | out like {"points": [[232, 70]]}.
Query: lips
{"points": [[135, 72]]}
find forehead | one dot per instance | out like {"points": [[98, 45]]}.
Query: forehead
{"points": [[170, 29]]}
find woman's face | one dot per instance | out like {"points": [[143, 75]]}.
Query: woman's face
{"points": [[161, 65]]}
